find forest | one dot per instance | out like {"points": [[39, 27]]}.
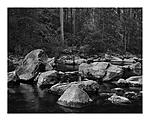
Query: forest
{"points": [[75, 60], [97, 30]]}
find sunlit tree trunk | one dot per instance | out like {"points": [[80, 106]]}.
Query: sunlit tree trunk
{"points": [[93, 15], [62, 25]]}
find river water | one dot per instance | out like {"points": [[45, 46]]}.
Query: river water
{"points": [[30, 99]]}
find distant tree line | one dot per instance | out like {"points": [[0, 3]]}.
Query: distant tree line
{"points": [[52, 29]]}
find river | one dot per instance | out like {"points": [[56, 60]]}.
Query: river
{"points": [[30, 99]]}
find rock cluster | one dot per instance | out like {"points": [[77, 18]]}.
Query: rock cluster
{"points": [[106, 77]]}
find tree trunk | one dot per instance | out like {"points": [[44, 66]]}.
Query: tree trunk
{"points": [[93, 15], [74, 17], [62, 25], [103, 26]]}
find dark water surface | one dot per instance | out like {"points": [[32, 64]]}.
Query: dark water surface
{"points": [[30, 99]]}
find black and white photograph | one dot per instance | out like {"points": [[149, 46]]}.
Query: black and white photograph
{"points": [[74, 60]]}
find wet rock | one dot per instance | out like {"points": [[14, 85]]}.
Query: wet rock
{"points": [[135, 81], [60, 88], [88, 86], [12, 76], [136, 68], [47, 78], [120, 100], [74, 97], [113, 72], [96, 69], [122, 83], [129, 61], [32, 64], [131, 95], [49, 64], [12, 79], [118, 91], [100, 70]]}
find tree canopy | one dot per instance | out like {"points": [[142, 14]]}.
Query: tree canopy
{"points": [[101, 29]]}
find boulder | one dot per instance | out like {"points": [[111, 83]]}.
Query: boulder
{"points": [[131, 95], [122, 83], [60, 88], [113, 72], [115, 99], [49, 64], [136, 68], [12, 76], [88, 86], [100, 70], [135, 81], [32, 64], [129, 61], [74, 97], [12, 79], [96, 69], [47, 78]]}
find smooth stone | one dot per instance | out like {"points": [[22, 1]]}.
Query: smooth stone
{"points": [[74, 97], [32, 64], [119, 100]]}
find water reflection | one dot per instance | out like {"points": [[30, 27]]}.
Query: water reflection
{"points": [[27, 98]]}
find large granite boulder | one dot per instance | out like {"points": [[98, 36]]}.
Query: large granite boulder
{"points": [[32, 64], [100, 70], [47, 78], [96, 69], [74, 97]]}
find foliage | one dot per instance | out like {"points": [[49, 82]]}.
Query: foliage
{"points": [[115, 29]]}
